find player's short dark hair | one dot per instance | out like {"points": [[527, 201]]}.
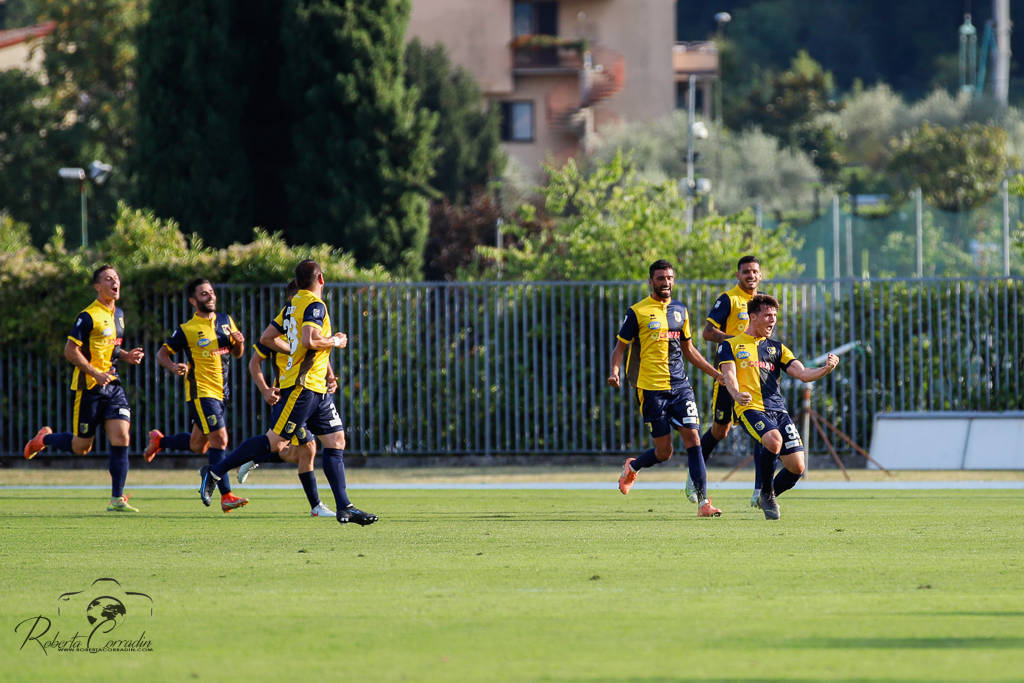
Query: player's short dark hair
{"points": [[99, 271], [190, 288], [760, 301], [749, 258], [306, 272], [660, 264], [290, 289]]}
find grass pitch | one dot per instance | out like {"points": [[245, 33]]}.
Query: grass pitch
{"points": [[525, 585]]}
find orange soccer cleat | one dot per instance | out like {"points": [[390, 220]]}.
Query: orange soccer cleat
{"points": [[154, 445], [708, 510], [230, 501], [36, 444], [628, 477]]}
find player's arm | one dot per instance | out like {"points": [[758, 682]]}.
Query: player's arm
{"points": [[714, 325], [163, 357], [332, 380], [616, 363], [713, 334], [270, 394], [73, 353], [236, 339], [797, 370], [133, 356], [698, 361], [272, 339], [732, 385]]}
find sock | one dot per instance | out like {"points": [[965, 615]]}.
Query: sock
{"points": [[60, 441], [707, 444], [646, 459], [251, 449], [269, 456], [118, 470], [698, 475], [176, 442], [767, 473], [334, 468], [784, 481], [214, 456], [308, 480], [759, 452]]}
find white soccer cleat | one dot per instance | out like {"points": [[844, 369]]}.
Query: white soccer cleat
{"points": [[322, 510], [244, 470], [755, 499], [690, 490]]}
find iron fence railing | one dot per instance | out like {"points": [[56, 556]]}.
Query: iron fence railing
{"points": [[499, 368]]}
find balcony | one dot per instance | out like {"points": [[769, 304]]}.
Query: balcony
{"points": [[542, 54], [699, 58]]}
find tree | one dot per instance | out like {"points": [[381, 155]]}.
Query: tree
{"points": [[601, 225], [467, 132], [363, 149], [956, 168]]}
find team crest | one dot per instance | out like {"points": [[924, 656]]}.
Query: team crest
{"points": [[225, 330], [678, 316], [759, 426]]}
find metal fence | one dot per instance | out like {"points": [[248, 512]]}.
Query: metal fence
{"points": [[499, 368]]}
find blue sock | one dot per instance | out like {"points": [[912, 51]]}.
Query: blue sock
{"points": [[214, 456], [251, 449], [707, 444], [334, 468], [767, 468], [308, 480], [784, 481], [698, 475], [60, 441], [176, 442], [759, 453], [269, 456], [646, 459], [118, 470]]}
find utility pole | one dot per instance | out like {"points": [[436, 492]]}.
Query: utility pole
{"points": [[1001, 73]]}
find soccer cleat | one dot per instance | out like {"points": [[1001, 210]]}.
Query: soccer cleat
{"points": [[755, 499], [770, 506], [690, 490], [322, 510], [154, 445], [627, 478], [36, 444], [208, 484], [244, 470], [356, 516], [708, 510], [230, 501], [120, 505]]}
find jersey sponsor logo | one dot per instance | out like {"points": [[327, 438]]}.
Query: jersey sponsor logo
{"points": [[743, 354], [742, 315], [764, 365], [203, 342], [653, 325], [107, 332], [669, 334], [219, 351]]}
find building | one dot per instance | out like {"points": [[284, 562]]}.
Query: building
{"points": [[562, 70], [16, 46]]}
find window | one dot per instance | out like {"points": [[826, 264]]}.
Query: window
{"points": [[517, 121], [535, 18]]}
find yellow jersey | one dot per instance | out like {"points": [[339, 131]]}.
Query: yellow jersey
{"points": [[305, 367], [759, 364], [729, 314], [655, 331], [205, 342], [99, 332]]}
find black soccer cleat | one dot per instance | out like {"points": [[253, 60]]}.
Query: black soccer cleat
{"points": [[207, 485], [355, 516], [770, 506]]}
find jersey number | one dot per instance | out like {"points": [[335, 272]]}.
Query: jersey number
{"points": [[291, 333]]}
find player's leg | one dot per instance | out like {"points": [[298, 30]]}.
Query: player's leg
{"points": [[210, 434], [791, 455], [721, 420], [652, 408], [327, 425], [762, 428], [305, 459], [696, 471], [63, 441], [117, 429]]}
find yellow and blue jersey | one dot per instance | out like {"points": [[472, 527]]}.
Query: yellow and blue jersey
{"points": [[305, 367], [729, 314], [99, 332], [279, 361], [759, 364], [655, 331], [205, 342]]}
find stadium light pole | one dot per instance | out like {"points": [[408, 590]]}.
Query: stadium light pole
{"points": [[98, 172]]}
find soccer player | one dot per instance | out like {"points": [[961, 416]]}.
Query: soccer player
{"points": [[204, 339], [303, 401], [93, 347], [279, 356], [751, 365], [656, 332], [727, 318]]}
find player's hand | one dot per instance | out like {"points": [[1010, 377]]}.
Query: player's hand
{"points": [[332, 385], [237, 338], [135, 356], [614, 380], [340, 340], [272, 395], [720, 379], [831, 362], [104, 378], [743, 398], [180, 369]]}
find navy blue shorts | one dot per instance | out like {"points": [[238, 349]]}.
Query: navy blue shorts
{"points": [[96, 405], [207, 414], [758, 423], [663, 410], [299, 407], [723, 409]]}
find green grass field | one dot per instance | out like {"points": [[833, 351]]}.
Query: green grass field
{"points": [[526, 585]]}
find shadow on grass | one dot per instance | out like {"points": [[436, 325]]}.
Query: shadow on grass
{"points": [[909, 643]]}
